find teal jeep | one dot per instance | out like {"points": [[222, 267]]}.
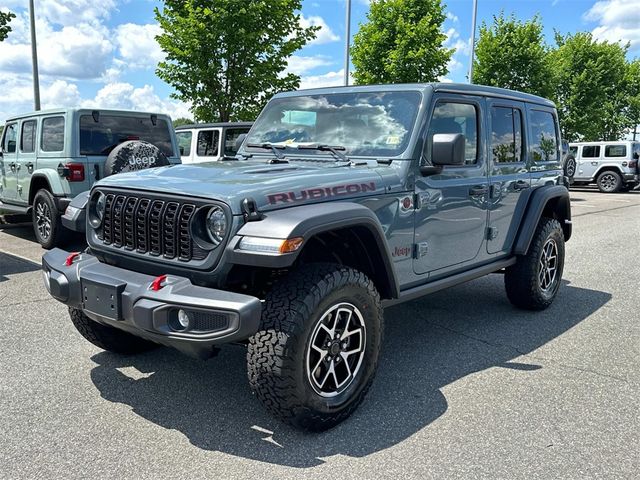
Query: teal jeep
{"points": [[49, 157]]}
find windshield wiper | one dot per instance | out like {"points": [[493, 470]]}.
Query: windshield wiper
{"points": [[334, 149], [269, 146]]}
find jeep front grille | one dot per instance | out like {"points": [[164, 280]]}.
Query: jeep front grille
{"points": [[146, 225]]}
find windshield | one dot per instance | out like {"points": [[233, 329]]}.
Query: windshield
{"points": [[99, 138], [366, 124]]}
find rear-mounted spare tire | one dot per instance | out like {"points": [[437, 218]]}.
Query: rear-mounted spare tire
{"points": [[134, 155]]}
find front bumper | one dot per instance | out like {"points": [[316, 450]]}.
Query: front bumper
{"points": [[123, 299]]}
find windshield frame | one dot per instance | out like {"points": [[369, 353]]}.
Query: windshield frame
{"points": [[292, 152]]}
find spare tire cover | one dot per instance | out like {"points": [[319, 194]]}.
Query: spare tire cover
{"points": [[134, 155]]}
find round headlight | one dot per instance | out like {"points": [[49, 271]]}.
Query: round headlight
{"points": [[100, 203], [96, 209], [216, 225]]}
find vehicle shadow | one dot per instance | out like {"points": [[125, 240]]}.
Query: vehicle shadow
{"points": [[74, 242], [429, 344], [11, 265]]}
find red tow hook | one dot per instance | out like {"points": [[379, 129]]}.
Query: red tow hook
{"points": [[157, 283], [71, 258]]}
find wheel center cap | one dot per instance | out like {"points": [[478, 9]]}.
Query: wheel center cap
{"points": [[334, 349]]}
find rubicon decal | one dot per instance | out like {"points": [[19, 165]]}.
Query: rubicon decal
{"points": [[321, 193]]}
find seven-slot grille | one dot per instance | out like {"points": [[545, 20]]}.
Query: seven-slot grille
{"points": [[145, 225]]}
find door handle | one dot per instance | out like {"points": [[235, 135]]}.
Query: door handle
{"points": [[12, 166], [29, 166], [478, 190], [521, 185]]}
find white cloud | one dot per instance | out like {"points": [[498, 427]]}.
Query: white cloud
{"points": [[300, 64], [455, 41], [452, 17], [137, 45], [19, 99], [324, 35], [329, 79], [617, 20]]}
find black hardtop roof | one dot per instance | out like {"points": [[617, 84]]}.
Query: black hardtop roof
{"points": [[214, 125], [461, 88]]}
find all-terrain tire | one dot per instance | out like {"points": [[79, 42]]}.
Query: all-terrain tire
{"points": [[609, 181], [276, 355], [570, 167], [47, 224], [108, 338], [523, 282]]}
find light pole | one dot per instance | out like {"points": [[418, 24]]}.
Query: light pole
{"points": [[473, 39], [347, 41], [34, 57]]}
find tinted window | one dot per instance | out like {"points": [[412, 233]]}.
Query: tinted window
{"points": [[184, 143], [10, 137], [636, 151], [573, 151], [99, 138], [208, 143], [544, 144], [615, 151], [506, 135], [591, 151], [28, 137], [365, 123], [230, 137], [53, 134], [451, 117]]}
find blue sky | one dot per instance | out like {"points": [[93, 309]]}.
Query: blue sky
{"points": [[104, 54]]}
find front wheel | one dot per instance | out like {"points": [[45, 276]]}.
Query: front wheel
{"points": [[315, 355], [533, 282], [47, 224]]}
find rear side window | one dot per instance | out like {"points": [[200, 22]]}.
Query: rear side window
{"points": [[52, 134], [573, 151], [28, 137], [184, 143], [506, 135], [230, 137], [544, 141], [636, 151], [615, 151], [10, 137], [208, 143], [591, 151], [99, 138], [453, 117]]}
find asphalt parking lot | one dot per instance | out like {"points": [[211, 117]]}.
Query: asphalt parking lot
{"points": [[467, 385]]}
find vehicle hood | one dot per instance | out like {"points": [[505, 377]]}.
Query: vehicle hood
{"points": [[272, 186]]}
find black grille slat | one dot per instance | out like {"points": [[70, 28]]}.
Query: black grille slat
{"points": [[150, 226]]}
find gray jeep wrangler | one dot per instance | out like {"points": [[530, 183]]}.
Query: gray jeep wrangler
{"points": [[342, 201]]}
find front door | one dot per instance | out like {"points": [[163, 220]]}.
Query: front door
{"points": [[509, 175], [451, 206], [9, 164], [26, 158]]}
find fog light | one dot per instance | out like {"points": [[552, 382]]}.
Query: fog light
{"points": [[183, 319]]}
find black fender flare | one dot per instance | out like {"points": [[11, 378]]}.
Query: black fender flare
{"points": [[554, 198], [306, 221]]}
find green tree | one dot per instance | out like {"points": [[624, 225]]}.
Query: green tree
{"points": [[5, 19], [227, 57], [633, 98], [402, 41], [591, 90], [182, 121], [512, 54]]}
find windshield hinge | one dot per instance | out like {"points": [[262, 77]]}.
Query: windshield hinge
{"points": [[250, 210]]}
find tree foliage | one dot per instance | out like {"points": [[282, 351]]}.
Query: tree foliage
{"points": [[182, 121], [591, 87], [227, 57], [5, 28], [512, 54], [402, 41]]}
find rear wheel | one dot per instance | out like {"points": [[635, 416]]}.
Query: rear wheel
{"points": [[108, 338], [315, 355], [609, 181], [47, 224], [533, 282]]}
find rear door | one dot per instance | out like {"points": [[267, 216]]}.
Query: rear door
{"points": [[589, 161], [26, 157], [208, 145], [9, 163], [508, 172]]}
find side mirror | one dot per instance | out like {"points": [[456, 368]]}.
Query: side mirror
{"points": [[447, 149], [240, 140]]}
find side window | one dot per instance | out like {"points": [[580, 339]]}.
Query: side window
{"points": [[230, 137], [184, 143], [506, 135], [208, 143], [636, 151], [10, 137], [28, 137], [573, 151], [591, 151], [615, 151], [52, 134], [544, 141], [452, 117]]}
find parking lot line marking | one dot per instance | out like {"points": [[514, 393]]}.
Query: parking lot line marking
{"points": [[20, 257]]}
